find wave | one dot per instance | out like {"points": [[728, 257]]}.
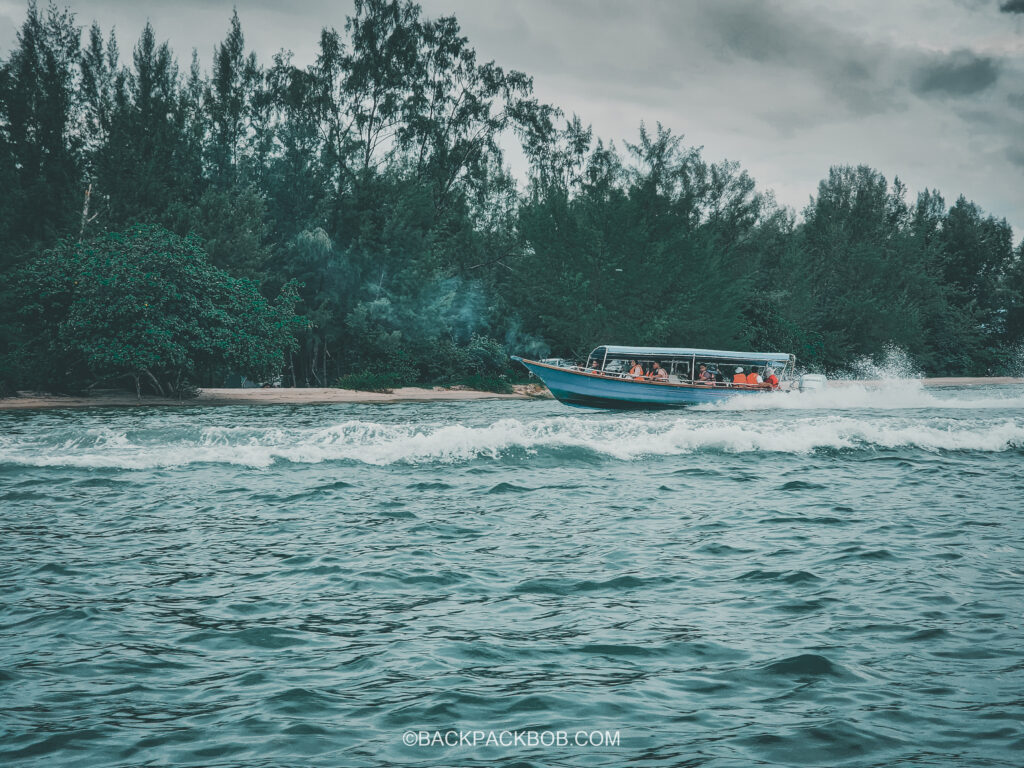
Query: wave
{"points": [[619, 438], [881, 395], [893, 382]]}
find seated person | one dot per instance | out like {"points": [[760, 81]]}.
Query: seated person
{"points": [[705, 376], [636, 370], [754, 378], [771, 379], [738, 377], [658, 373]]}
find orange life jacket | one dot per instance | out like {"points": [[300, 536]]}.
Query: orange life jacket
{"points": [[774, 381], [637, 371], [752, 377], [739, 378]]}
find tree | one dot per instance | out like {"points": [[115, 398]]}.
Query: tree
{"points": [[374, 179], [143, 169], [39, 146], [228, 98], [455, 111], [866, 269], [145, 305], [977, 255]]}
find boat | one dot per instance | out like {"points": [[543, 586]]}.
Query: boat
{"points": [[606, 381]]}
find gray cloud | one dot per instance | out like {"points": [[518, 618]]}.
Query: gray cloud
{"points": [[867, 76], [961, 73], [850, 68], [1012, 6], [8, 33]]}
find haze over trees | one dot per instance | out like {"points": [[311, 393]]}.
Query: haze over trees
{"points": [[355, 220]]}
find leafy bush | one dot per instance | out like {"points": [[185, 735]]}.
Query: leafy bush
{"points": [[144, 306], [487, 384], [484, 357], [482, 364], [370, 382]]}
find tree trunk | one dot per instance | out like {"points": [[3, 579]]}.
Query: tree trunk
{"points": [[156, 383], [85, 211], [138, 389], [313, 359]]}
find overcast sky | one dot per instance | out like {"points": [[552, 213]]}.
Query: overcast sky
{"points": [[931, 91]]}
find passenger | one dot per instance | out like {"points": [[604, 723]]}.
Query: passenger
{"points": [[636, 370], [738, 377], [705, 375], [594, 367], [772, 380], [754, 378], [658, 373]]}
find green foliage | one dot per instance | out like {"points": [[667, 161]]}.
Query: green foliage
{"points": [[40, 149], [872, 271], [145, 305], [482, 360], [231, 224], [654, 252], [482, 364], [370, 187], [371, 382], [498, 384]]}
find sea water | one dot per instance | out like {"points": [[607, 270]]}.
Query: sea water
{"points": [[830, 578]]}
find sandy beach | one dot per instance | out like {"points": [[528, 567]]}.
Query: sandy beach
{"points": [[274, 396], [328, 396]]}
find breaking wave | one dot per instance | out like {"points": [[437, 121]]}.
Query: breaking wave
{"points": [[891, 383], [876, 395], [620, 438]]}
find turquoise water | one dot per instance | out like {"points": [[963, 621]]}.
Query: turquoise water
{"points": [[828, 579]]}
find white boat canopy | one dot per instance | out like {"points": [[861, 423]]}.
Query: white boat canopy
{"points": [[669, 352]]}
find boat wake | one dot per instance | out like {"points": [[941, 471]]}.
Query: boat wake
{"points": [[875, 395], [625, 438], [892, 383]]}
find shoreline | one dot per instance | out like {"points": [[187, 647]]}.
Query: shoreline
{"points": [[271, 396], [330, 396]]}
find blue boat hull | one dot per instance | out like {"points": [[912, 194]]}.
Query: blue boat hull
{"points": [[587, 390]]}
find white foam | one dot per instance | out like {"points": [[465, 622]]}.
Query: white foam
{"points": [[621, 437], [880, 395], [893, 382]]}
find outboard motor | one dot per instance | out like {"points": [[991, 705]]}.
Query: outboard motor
{"points": [[810, 382]]}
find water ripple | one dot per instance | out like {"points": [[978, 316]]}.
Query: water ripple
{"points": [[821, 585]]}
